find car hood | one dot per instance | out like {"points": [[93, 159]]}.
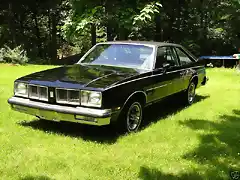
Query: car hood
{"points": [[82, 76]]}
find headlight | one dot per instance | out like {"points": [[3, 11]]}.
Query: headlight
{"points": [[21, 89], [91, 98]]}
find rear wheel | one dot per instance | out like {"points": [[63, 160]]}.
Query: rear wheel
{"points": [[190, 94]]}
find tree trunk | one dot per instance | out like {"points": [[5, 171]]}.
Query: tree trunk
{"points": [[158, 32], [21, 22], [37, 33], [109, 32], [108, 7], [53, 35], [202, 32], [123, 35], [171, 33], [93, 34], [201, 14], [11, 24]]}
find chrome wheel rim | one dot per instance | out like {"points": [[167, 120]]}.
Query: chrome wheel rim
{"points": [[191, 93], [134, 116]]}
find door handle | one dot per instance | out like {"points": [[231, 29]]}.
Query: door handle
{"points": [[182, 73]]}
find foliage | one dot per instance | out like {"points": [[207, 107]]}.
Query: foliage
{"points": [[45, 29], [147, 13], [144, 19], [77, 28], [15, 56]]}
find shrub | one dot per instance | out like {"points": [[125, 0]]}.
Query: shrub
{"points": [[2, 55], [15, 56]]}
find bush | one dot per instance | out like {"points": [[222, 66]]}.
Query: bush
{"points": [[15, 56], [2, 53]]}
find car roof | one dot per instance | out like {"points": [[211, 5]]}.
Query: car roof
{"points": [[152, 43]]}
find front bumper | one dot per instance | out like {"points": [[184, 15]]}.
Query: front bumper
{"points": [[98, 117]]}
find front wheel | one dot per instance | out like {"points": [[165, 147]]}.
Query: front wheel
{"points": [[131, 117]]}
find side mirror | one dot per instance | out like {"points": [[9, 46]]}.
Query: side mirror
{"points": [[166, 65]]}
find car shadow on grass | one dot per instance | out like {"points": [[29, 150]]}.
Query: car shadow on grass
{"points": [[35, 178], [219, 146], [103, 134], [154, 174], [165, 108], [107, 134], [217, 155]]}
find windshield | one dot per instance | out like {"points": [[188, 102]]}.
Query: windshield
{"points": [[125, 55]]}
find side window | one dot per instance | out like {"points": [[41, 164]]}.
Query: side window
{"points": [[175, 56], [184, 59], [165, 55]]}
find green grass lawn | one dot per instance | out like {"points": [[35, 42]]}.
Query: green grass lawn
{"points": [[198, 142]]}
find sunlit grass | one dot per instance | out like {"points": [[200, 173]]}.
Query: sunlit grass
{"points": [[198, 142]]}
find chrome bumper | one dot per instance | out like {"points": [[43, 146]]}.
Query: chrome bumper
{"points": [[98, 117]]}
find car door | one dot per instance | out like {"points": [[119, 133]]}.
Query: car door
{"points": [[175, 71], [164, 80], [187, 64]]}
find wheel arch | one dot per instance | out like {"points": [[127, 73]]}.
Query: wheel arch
{"points": [[194, 79], [141, 95]]}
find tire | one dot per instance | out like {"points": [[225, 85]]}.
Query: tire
{"points": [[131, 117], [190, 94]]}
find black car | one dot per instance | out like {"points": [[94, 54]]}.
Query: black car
{"points": [[111, 84]]}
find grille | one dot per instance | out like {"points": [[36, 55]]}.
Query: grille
{"points": [[67, 96], [38, 92]]}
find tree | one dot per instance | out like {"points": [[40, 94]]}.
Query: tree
{"points": [[59, 28]]}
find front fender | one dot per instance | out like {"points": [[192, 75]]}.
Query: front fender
{"points": [[118, 96]]}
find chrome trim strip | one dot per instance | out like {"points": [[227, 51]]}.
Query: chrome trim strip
{"points": [[150, 77], [193, 78], [67, 89], [134, 94], [132, 81], [60, 109], [126, 43], [86, 54], [36, 85], [183, 69], [199, 67], [58, 117], [158, 87]]}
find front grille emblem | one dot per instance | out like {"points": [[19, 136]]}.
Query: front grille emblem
{"points": [[51, 94]]}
